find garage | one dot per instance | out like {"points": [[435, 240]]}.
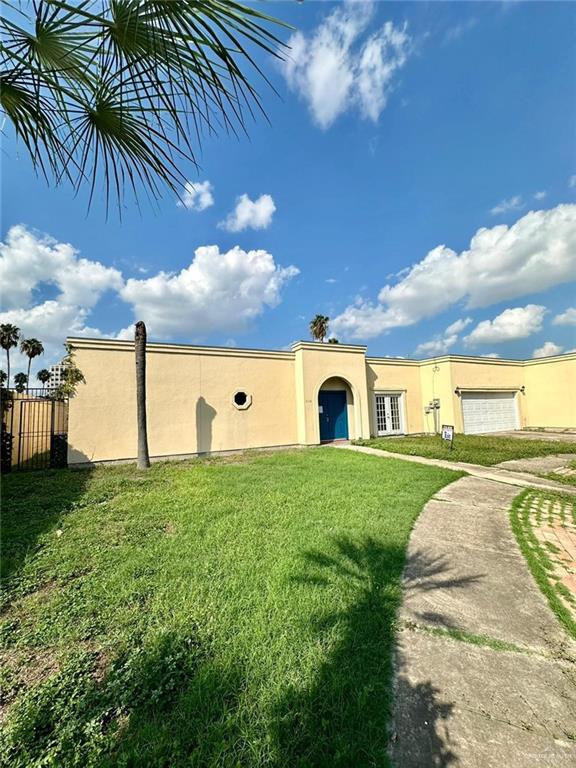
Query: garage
{"points": [[489, 412]]}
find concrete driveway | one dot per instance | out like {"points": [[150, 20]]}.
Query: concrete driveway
{"points": [[485, 674]]}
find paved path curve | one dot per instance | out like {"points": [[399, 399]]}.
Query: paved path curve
{"points": [[504, 692]]}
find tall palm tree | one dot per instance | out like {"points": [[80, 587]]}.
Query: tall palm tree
{"points": [[319, 327], [121, 91], [140, 350], [43, 377], [20, 380], [31, 348], [9, 338]]}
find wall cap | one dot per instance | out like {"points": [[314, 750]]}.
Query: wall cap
{"points": [[120, 345], [125, 345], [315, 346]]}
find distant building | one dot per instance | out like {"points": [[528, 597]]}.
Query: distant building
{"points": [[56, 375]]}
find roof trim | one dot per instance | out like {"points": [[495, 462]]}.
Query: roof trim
{"points": [[84, 342], [120, 345]]}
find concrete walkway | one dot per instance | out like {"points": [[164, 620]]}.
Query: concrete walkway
{"points": [[498, 473], [485, 675]]}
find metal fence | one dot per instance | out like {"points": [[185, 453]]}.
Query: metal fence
{"points": [[34, 429]]}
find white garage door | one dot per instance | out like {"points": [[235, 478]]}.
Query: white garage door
{"points": [[488, 412]]}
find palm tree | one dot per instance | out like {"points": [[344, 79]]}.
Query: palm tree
{"points": [[20, 380], [9, 337], [140, 350], [3, 377], [319, 327], [119, 91], [31, 348], [43, 377], [333, 340]]}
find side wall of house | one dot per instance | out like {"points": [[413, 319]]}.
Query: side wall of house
{"points": [[436, 384], [191, 391], [397, 376], [550, 392], [190, 394]]}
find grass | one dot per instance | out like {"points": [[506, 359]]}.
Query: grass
{"points": [[537, 556], [230, 612], [483, 641], [486, 450], [566, 479]]}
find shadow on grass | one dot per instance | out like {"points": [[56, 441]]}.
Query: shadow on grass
{"points": [[33, 503], [165, 701], [344, 718]]}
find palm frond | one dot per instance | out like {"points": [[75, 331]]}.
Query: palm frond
{"points": [[123, 91]]}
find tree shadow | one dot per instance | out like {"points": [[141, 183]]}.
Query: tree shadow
{"points": [[33, 503], [205, 415], [343, 718]]}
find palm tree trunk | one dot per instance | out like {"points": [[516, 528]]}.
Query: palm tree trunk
{"points": [[8, 368], [28, 379], [140, 350]]}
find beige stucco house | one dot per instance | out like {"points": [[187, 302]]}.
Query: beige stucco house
{"points": [[210, 399]]}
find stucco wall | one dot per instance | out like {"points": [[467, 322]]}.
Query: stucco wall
{"points": [[190, 401], [397, 376], [436, 383], [550, 399], [191, 389], [315, 364]]}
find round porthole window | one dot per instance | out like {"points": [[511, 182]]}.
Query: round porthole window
{"points": [[242, 400]]}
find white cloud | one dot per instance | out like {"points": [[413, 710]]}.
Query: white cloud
{"points": [[493, 355], [572, 181], [540, 195], [331, 280], [256, 214], [566, 318], [28, 261], [437, 346], [502, 263], [512, 204], [217, 292], [513, 323], [442, 343], [196, 196], [458, 30], [458, 326], [333, 70], [547, 350]]}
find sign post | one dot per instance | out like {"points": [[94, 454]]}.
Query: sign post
{"points": [[447, 433]]}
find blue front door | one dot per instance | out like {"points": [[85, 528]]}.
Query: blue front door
{"points": [[333, 415]]}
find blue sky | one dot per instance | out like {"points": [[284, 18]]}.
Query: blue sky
{"points": [[400, 130]]}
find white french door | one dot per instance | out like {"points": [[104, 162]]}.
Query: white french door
{"points": [[388, 414]]}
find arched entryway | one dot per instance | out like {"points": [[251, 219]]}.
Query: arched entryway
{"points": [[335, 410]]}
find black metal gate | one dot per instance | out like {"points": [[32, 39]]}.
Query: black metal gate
{"points": [[34, 430]]}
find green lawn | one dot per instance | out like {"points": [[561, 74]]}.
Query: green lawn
{"points": [[474, 449], [230, 612]]}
